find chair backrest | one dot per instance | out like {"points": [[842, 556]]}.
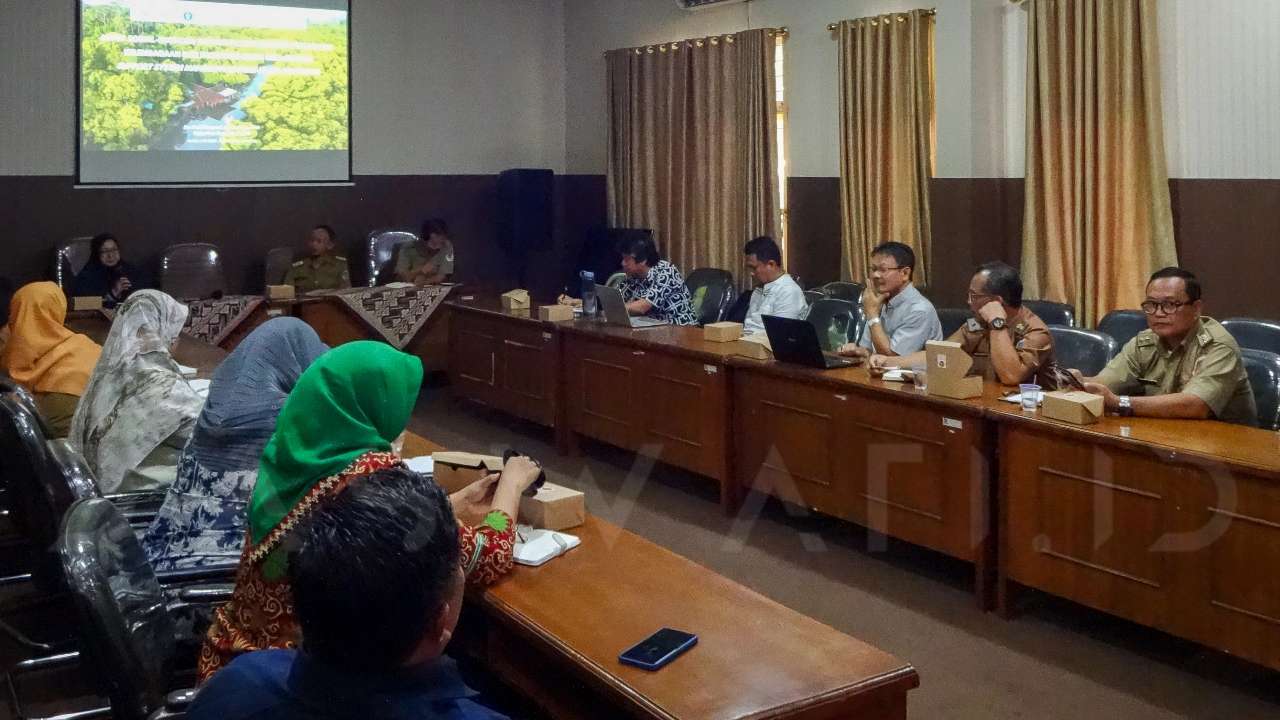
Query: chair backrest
{"points": [[859, 325], [1053, 313], [69, 259], [1123, 325], [9, 386], [192, 271], [615, 280], [383, 245], [1255, 333], [851, 291], [1264, 377], [833, 320], [1085, 350], [127, 632], [812, 296], [952, 319], [711, 292], [277, 264]]}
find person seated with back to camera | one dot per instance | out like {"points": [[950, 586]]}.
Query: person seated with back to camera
{"points": [[1009, 343], [378, 586], [776, 292], [429, 261], [323, 269]]}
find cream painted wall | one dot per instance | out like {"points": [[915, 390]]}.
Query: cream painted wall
{"points": [[439, 86]]}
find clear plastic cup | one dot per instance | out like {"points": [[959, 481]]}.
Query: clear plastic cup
{"points": [[920, 377], [1030, 396]]}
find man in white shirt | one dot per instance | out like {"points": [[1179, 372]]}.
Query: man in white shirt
{"points": [[776, 293]]}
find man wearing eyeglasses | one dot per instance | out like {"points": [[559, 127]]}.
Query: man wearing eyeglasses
{"points": [[1185, 365], [1009, 343], [900, 320]]}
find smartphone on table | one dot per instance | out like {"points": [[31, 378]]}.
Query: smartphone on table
{"points": [[658, 649]]}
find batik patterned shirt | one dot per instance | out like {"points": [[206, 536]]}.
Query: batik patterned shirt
{"points": [[664, 288]]}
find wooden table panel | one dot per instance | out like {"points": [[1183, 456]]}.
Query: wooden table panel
{"points": [[529, 367], [473, 360], [682, 402], [601, 385]]}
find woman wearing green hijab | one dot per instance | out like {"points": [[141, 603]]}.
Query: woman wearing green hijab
{"points": [[339, 423]]}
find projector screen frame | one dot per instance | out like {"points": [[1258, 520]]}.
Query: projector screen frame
{"points": [[78, 123]]}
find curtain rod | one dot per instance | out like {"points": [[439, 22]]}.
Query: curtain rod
{"points": [[930, 11], [773, 32]]}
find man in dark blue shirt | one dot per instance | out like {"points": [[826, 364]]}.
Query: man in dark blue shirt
{"points": [[377, 587]]}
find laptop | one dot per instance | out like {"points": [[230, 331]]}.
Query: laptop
{"points": [[615, 310], [796, 341]]}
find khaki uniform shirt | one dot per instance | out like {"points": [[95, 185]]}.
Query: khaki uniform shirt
{"points": [[414, 255], [1031, 339], [1207, 364], [326, 272]]}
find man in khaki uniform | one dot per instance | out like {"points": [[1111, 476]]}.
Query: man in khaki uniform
{"points": [[1184, 366], [1009, 343], [322, 270], [429, 262]]}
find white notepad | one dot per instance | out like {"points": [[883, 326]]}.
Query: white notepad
{"points": [[423, 464], [187, 372], [200, 386], [539, 546]]}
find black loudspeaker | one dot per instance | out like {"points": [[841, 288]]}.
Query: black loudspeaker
{"points": [[525, 210]]}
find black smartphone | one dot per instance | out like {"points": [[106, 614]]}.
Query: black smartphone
{"points": [[658, 649]]}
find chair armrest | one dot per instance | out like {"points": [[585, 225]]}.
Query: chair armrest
{"points": [[205, 594], [213, 573]]}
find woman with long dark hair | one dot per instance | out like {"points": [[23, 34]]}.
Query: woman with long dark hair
{"points": [[107, 275]]}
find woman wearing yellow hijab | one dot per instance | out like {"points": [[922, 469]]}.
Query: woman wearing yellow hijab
{"points": [[45, 357]]}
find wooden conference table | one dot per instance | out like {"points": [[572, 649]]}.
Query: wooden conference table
{"points": [[1174, 524], [553, 633]]}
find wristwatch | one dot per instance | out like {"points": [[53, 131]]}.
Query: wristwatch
{"points": [[998, 324], [873, 321], [1125, 407]]}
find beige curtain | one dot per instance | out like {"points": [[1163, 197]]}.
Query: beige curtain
{"points": [[693, 145], [1097, 218], [887, 137]]}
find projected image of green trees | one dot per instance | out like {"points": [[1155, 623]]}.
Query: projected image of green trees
{"points": [[147, 109]]}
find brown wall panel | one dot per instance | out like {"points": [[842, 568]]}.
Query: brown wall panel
{"points": [[37, 213]]}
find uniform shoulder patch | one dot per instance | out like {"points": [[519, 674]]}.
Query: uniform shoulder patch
{"points": [[1145, 338]]}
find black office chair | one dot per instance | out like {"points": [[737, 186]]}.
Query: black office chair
{"points": [[192, 271], [711, 291], [1123, 325], [952, 319], [69, 259], [129, 640], [384, 247], [737, 312], [277, 265], [850, 291], [1264, 377], [812, 296], [834, 320], [859, 326], [1053, 313], [1255, 333], [1085, 350]]}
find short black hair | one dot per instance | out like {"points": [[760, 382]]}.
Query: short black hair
{"points": [[333, 236], [764, 248], [434, 226], [371, 569], [900, 252], [1189, 278], [95, 244], [642, 248], [1003, 281]]}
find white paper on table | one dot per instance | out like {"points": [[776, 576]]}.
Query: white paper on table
{"points": [[897, 375], [535, 547], [200, 386], [398, 285], [187, 372], [423, 464], [1016, 398]]}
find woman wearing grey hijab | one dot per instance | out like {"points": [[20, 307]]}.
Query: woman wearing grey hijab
{"points": [[137, 412], [202, 520]]}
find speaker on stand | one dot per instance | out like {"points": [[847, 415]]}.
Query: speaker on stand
{"points": [[526, 216]]}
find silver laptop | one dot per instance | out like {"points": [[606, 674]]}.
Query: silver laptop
{"points": [[615, 310]]}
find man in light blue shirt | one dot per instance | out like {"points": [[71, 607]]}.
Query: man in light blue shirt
{"points": [[900, 320], [776, 292]]}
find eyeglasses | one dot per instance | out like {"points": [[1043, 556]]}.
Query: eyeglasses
{"points": [[974, 296], [883, 270], [1168, 307]]}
